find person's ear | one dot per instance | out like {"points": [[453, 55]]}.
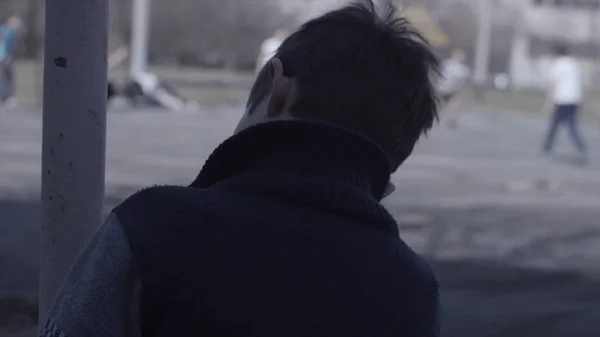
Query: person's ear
{"points": [[280, 89]]}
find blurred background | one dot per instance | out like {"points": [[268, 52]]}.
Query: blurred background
{"points": [[514, 236]]}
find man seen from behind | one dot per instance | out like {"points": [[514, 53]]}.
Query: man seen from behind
{"points": [[283, 232]]}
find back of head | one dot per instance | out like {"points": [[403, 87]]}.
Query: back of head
{"points": [[14, 22], [367, 72], [459, 55], [560, 50]]}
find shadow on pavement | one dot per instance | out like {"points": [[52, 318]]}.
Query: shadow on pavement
{"points": [[480, 298]]}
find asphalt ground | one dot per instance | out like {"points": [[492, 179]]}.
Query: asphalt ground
{"points": [[514, 238]]}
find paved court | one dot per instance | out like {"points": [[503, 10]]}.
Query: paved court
{"points": [[515, 239]]}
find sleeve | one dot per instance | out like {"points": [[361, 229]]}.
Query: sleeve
{"points": [[101, 295]]}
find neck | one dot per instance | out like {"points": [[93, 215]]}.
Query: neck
{"points": [[309, 162]]}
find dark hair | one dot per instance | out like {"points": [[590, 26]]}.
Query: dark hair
{"points": [[560, 50], [367, 72]]}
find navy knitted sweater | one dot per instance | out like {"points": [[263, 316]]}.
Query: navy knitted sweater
{"points": [[281, 234]]}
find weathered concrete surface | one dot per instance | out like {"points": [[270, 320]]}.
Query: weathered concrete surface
{"points": [[515, 240]]}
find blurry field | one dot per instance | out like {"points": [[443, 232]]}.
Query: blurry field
{"points": [[212, 87], [204, 85], [527, 101]]}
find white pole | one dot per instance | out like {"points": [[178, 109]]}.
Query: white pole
{"points": [[482, 47], [74, 133], [139, 36]]}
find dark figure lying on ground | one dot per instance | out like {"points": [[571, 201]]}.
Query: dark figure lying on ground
{"points": [[111, 90], [146, 90], [282, 233]]}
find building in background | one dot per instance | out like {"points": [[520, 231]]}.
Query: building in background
{"points": [[543, 23]]}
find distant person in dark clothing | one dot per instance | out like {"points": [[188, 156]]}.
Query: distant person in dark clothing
{"points": [[148, 90], [10, 33], [4, 59], [111, 91], [564, 99], [282, 233]]}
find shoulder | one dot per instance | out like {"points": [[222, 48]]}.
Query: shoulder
{"points": [[170, 195], [160, 221], [145, 204], [154, 196], [564, 63], [153, 207], [568, 65], [99, 296], [149, 216]]}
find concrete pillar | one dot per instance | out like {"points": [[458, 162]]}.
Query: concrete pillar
{"points": [[482, 46], [74, 133]]}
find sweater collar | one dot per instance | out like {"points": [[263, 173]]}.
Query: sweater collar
{"points": [[314, 163]]}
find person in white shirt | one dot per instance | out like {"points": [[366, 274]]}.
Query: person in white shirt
{"points": [[564, 98], [269, 48], [455, 76]]}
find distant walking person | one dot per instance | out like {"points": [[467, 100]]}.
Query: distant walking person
{"points": [[564, 98], [10, 33], [269, 48], [455, 75], [3, 63]]}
